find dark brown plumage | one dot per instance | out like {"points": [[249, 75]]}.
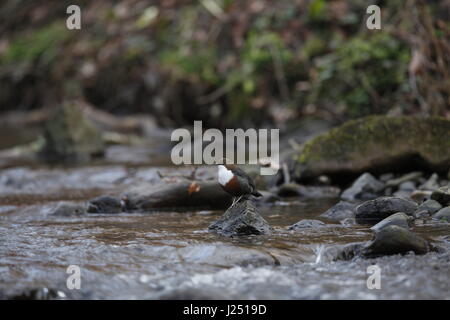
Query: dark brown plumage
{"points": [[236, 182]]}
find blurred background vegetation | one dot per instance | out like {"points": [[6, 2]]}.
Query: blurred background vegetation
{"points": [[231, 63]]}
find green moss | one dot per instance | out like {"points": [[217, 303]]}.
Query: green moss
{"points": [[370, 141]]}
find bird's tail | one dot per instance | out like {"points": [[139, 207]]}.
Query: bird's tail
{"points": [[256, 194]]}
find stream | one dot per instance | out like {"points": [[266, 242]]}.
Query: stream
{"points": [[172, 255]]}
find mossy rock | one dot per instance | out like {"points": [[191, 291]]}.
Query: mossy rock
{"points": [[376, 144], [69, 137]]}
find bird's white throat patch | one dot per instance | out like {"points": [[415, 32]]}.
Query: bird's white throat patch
{"points": [[224, 175]]}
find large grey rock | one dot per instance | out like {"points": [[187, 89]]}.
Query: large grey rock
{"points": [[340, 211], [442, 195], [373, 211], [398, 219], [395, 240], [375, 143], [364, 188], [444, 214], [241, 219]]}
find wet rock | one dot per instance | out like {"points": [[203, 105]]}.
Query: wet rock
{"points": [[177, 195], [364, 188], [289, 190], [395, 240], [374, 143], [68, 209], [69, 137], [431, 184], [105, 204], [373, 211], [430, 206], [306, 224], [241, 219], [442, 195], [341, 252], [398, 219], [421, 214], [419, 195], [443, 214], [340, 211], [313, 192]]}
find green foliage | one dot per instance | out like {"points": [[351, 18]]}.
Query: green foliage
{"points": [[42, 44], [244, 57], [199, 61], [195, 62], [256, 62], [259, 50], [363, 74]]}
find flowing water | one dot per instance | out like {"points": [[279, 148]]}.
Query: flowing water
{"points": [[170, 255]]}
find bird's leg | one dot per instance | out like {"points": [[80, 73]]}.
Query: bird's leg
{"points": [[234, 201], [238, 199]]}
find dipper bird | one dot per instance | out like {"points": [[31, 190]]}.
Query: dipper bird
{"points": [[236, 182]]}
